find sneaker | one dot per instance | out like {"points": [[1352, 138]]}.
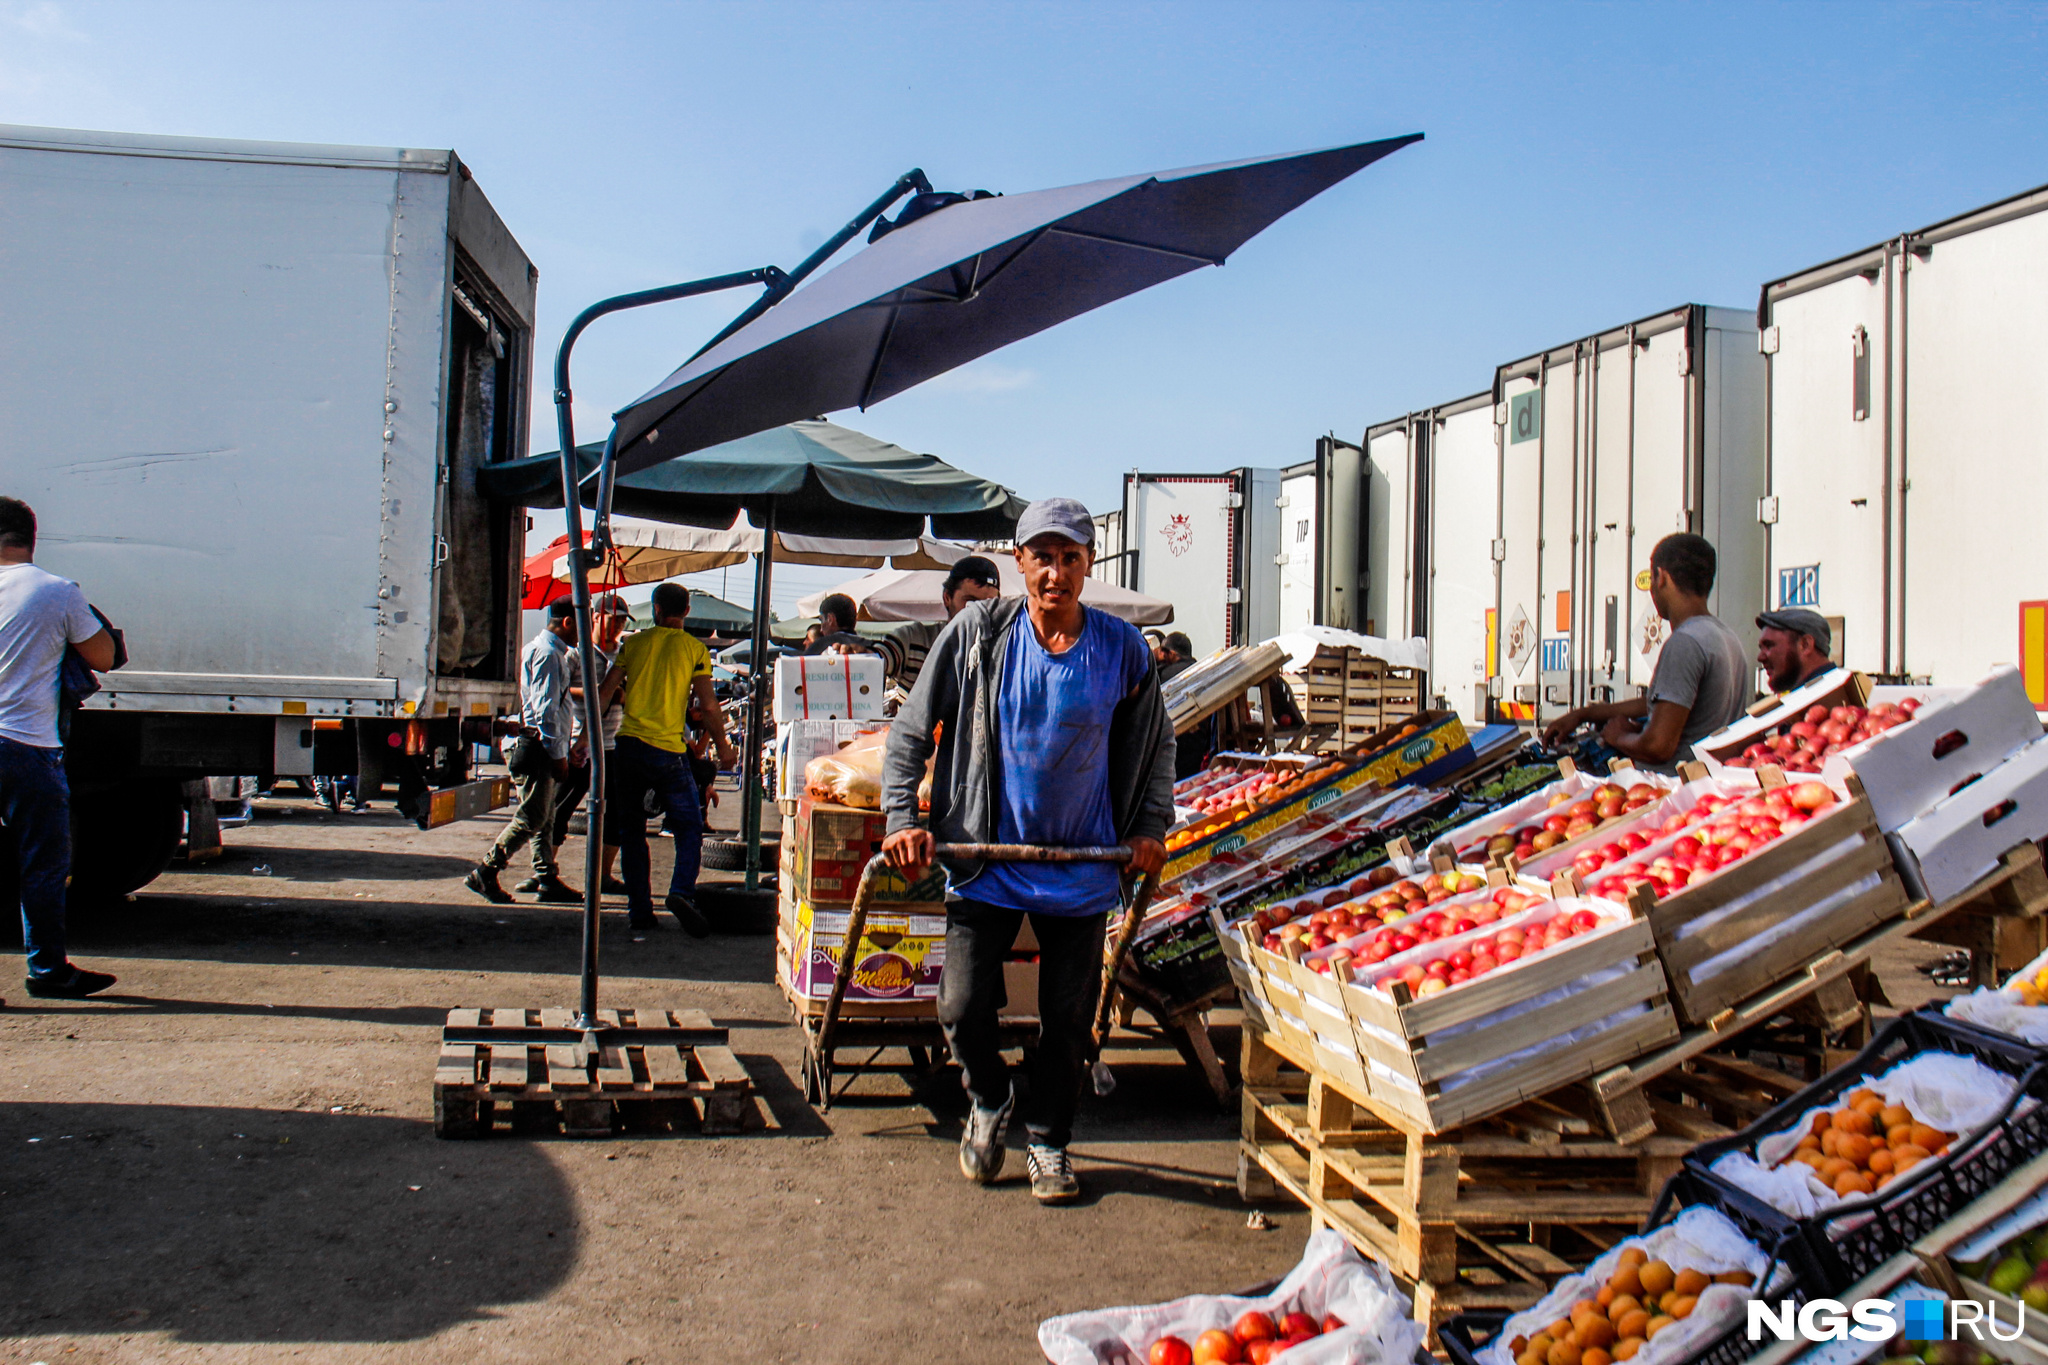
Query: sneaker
{"points": [[79, 984], [640, 924], [689, 916], [527, 887], [555, 891], [613, 887], [981, 1141], [1052, 1175], [483, 879]]}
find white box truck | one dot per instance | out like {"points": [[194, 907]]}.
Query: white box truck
{"points": [[1206, 543], [246, 387], [1905, 495], [1610, 443], [1435, 562], [1321, 526]]}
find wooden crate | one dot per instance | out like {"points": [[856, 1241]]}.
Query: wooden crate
{"points": [[1751, 886], [1488, 1216], [1399, 1063], [538, 1086]]}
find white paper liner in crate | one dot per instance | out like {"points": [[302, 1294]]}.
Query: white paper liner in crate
{"points": [[1944, 1090], [1330, 1278], [2000, 1010], [1701, 1239]]}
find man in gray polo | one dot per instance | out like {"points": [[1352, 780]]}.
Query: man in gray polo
{"points": [[1702, 680], [1794, 646], [1052, 732]]}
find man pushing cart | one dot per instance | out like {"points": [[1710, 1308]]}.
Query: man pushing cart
{"points": [[1050, 731]]}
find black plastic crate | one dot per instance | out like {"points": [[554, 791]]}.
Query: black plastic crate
{"points": [[1789, 1275], [1933, 1192], [1183, 960]]}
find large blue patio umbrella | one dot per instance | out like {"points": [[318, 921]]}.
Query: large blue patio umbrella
{"points": [[952, 278]]}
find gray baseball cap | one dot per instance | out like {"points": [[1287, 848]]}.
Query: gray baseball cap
{"points": [[1800, 621], [1062, 517]]}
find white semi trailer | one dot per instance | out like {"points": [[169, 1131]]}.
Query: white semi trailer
{"points": [[1207, 544], [1608, 444], [1906, 494], [1431, 566], [246, 388], [1321, 531]]}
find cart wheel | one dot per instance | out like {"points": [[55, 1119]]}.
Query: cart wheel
{"points": [[810, 1077]]}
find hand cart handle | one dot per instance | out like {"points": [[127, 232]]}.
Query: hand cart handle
{"points": [[857, 919]]}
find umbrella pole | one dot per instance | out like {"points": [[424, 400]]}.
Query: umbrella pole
{"points": [[582, 560], [759, 681]]}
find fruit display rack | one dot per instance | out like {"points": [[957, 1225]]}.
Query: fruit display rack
{"points": [[533, 1071], [1487, 1216]]}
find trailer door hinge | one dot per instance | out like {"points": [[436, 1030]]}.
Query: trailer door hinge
{"points": [[1767, 510], [1233, 500], [1282, 501], [1233, 596], [1500, 551], [1767, 340], [1281, 559], [1500, 414]]}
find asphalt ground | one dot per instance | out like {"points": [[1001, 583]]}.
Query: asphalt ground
{"points": [[230, 1156]]}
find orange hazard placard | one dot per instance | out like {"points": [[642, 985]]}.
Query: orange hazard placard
{"points": [[2034, 651]]}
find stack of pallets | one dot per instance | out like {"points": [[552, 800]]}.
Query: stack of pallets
{"points": [[1354, 692]]}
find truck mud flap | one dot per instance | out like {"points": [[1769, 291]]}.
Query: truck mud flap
{"points": [[465, 799]]}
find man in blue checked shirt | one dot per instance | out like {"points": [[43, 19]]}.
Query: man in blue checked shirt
{"points": [[536, 759]]}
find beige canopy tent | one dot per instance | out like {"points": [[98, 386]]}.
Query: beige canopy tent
{"points": [[900, 594], [653, 554]]}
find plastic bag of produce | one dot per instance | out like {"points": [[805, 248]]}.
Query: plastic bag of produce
{"points": [[1700, 1241], [852, 776], [1331, 1280]]}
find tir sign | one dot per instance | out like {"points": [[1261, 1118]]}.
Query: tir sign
{"points": [[1525, 417]]}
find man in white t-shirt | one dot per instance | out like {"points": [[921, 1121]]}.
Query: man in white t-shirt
{"points": [[41, 615]]}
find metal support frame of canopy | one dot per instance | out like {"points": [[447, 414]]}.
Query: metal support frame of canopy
{"points": [[591, 1035]]}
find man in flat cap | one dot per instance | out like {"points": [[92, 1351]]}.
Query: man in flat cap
{"points": [[1054, 733], [1794, 646]]}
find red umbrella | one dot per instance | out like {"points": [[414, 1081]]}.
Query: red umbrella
{"points": [[542, 587]]}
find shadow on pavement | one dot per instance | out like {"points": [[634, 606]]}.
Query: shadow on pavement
{"points": [[288, 864], [395, 1015], [420, 935], [243, 1225]]}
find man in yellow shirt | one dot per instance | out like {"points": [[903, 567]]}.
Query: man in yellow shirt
{"points": [[659, 671]]}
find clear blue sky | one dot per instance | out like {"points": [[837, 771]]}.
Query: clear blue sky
{"points": [[1584, 165]]}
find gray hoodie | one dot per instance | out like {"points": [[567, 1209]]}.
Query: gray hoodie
{"points": [[958, 686]]}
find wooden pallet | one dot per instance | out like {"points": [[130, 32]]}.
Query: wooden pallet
{"points": [[538, 1087], [1487, 1216]]}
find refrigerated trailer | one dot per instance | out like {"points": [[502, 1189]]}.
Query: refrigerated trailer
{"points": [[1321, 528], [1207, 543], [1435, 552], [1608, 444], [1906, 448], [246, 388]]}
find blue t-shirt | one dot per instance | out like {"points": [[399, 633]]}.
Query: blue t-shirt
{"points": [[1052, 785]]}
